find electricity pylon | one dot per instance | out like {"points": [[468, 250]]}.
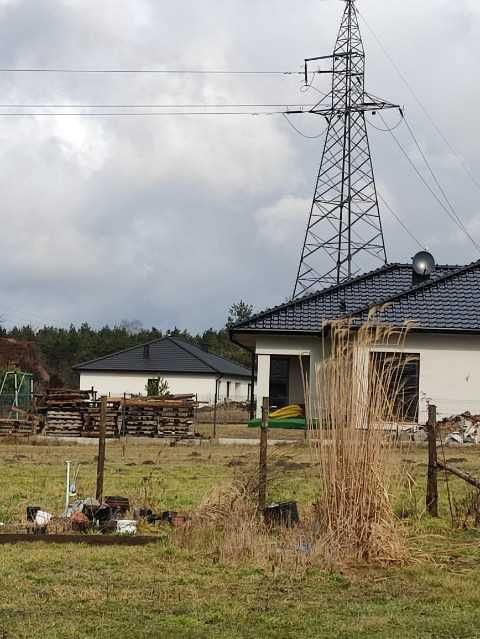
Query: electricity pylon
{"points": [[344, 220]]}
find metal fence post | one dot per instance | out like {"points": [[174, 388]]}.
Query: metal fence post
{"points": [[432, 479]]}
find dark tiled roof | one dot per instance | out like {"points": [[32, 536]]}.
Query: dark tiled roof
{"points": [[449, 303], [309, 313], [167, 355]]}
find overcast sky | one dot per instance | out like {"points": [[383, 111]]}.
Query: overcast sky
{"points": [[171, 219]]}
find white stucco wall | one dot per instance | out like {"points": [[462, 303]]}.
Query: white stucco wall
{"points": [[116, 384], [449, 367]]}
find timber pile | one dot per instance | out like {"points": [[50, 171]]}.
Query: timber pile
{"points": [[65, 412], [159, 417], [75, 413], [24, 426], [91, 419]]}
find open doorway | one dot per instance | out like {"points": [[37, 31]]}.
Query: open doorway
{"points": [[279, 381]]}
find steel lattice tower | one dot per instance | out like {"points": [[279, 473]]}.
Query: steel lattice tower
{"points": [[344, 220]]}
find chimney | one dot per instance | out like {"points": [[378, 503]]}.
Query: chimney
{"points": [[423, 266], [146, 351], [204, 347]]}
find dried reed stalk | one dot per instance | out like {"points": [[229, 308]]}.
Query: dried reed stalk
{"points": [[351, 405], [228, 529]]}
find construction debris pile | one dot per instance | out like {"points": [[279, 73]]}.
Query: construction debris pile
{"points": [[460, 429], [76, 413]]}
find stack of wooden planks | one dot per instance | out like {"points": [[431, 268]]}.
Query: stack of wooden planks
{"points": [[76, 413], [159, 417], [91, 419], [65, 412], [23, 426]]}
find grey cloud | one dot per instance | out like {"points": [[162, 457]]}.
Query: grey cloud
{"points": [[172, 219]]}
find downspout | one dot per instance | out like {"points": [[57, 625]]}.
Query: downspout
{"points": [[252, 377]]}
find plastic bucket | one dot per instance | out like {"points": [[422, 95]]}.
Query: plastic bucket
{"points": [[283, 514]]}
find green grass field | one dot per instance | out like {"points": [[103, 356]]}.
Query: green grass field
{"points": [[158, 591]]}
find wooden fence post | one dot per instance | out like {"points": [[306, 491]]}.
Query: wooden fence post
{"points": [[262, 470], [101, 448], [432, 483]]}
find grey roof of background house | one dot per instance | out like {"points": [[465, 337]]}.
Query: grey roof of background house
{"points": [[166, 355], [308, 314]]}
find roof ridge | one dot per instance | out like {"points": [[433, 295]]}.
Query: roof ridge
{"points": [[420, 287], [124, 350], [184, 343], [330, 289]]}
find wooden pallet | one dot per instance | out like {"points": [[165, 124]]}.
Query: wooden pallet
{"points": [[72, 413]]}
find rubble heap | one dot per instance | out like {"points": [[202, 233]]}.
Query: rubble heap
{"points": [[461, 429]]}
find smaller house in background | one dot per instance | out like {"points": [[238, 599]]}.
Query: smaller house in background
{"points": [[186, 367]]}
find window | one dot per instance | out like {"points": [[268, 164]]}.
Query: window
{"points": [[228, 389], [403, 381], [279, 381]]}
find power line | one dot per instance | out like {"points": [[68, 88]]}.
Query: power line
{"points": [[432, 173], [452, 216], [405, 81], [304, 135], [388, 130], [152, 106], [139, 113], [147, 71], [400, 221]]}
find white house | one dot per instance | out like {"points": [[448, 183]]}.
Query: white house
{"points": [[187, 369], [443, 345]]}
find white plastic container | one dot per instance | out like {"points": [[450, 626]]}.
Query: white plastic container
{"points": [[127, 526], [42, 518]]}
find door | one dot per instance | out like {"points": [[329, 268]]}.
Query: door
{"points": [[279, 381]]}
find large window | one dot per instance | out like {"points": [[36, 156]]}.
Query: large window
{"points": [[403, 381], [279, 381]]}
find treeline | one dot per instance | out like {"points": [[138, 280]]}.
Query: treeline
{"points": [[61, 348]]}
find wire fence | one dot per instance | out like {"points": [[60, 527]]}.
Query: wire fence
{"points": [[15, 393], [8, 405]]}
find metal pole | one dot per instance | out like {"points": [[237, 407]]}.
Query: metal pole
{"points": [[67, 487], [101, 448], [16, 395], [432, 483], [262, 469]]}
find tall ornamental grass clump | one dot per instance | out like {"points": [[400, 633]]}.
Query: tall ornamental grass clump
{"points": [[353, 413]]}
